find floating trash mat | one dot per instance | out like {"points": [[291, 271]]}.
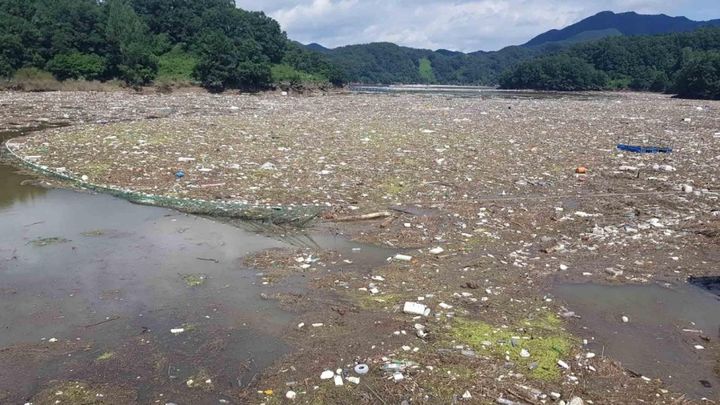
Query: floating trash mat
{"points": [[665, 332], [293, 215]]}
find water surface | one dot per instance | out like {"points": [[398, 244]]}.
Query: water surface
{"points": [[666, 323], [94, 269], [482, 92]]}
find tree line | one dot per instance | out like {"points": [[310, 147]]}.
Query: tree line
{"points": [[387, 63], [139, 41], [216, 44], [687, 64], [682, 63]]}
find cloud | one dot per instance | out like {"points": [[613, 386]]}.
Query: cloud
{"points": [[465, 25]]}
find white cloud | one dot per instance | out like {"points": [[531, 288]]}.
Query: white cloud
{"points": [[466, 25]]}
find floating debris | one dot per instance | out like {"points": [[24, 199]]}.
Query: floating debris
{"points": [[42, 242]]}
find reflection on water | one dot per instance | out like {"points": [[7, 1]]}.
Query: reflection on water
{"points": [[659, 341], [11, 189]]}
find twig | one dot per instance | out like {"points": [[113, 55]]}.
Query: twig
{"points": [[113, 318], [403, 210], [374, 215], [216, 261]]}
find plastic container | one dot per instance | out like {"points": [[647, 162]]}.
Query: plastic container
{"points": [[414, 308]]}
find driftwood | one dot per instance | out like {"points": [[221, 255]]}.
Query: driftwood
{"points": [[364, 217]]}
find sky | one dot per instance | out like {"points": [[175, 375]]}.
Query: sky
{"points": [[460, 25]]}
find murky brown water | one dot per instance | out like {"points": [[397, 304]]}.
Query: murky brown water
{"points": [[93, 269], [660, 339], [11, 190]]}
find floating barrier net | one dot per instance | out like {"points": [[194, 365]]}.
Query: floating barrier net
{"points": [[279, 215]]}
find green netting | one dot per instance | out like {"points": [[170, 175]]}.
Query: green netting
{"points": [[292, 215]]}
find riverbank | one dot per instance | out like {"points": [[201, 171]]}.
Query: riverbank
{"points": [[43, 82], [487, 197]]}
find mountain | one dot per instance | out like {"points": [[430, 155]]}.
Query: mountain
{"points": [[317, 48], [607, 24], [388, 63], [447, 52]]}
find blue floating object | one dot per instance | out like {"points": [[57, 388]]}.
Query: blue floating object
{"points": [[644, 149], [180, 174]]}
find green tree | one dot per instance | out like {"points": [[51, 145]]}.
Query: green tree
{"points": [[180, 20], [67, 26], [253, 70], [661, 82], [700, 77], [224, 64], [11, 54], [77, 65], [253, 75], [243, 26], [6, 70], [218, 61], [312, 63], [19, 38], [131, 44], [334, 75], [138, 37], [558, 73], [267, 34]]}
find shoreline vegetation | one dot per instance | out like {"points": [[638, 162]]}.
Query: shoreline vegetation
{"points": [[686, 64], [138, 43], [34, 80], [86, 45]]}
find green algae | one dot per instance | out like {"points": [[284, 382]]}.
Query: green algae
{"points": [[194, 280], [42, 242], [542, 338], [106, 356]]}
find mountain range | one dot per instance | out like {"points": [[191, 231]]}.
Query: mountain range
{"points": [[607, 23], [386, 63]]}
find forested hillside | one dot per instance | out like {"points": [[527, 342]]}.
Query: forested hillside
{"points": [[387, 63], [214, 43], [687, 64], [140, 41]]}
